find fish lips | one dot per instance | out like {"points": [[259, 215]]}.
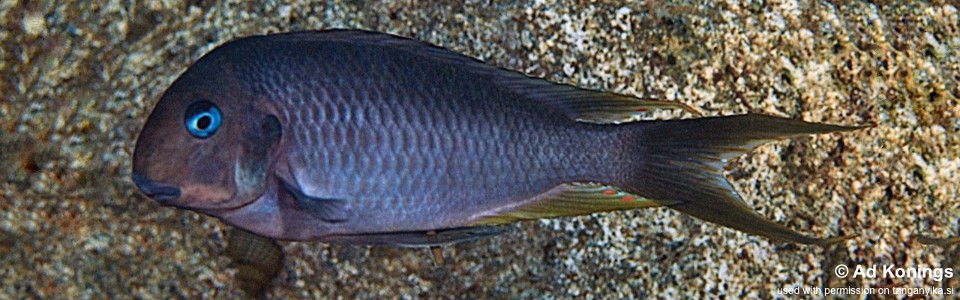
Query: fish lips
{"points": [[160, 192], [185, 197]]}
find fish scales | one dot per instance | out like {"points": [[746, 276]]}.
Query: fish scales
{"points": [[367, 138], [498, 147]]}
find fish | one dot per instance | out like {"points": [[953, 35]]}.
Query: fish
{"points": [[257, 259], [360, 137], [943, 242]]}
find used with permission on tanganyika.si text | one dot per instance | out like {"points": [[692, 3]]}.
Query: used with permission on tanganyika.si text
{"points": [[899, 291], [881, 272]]}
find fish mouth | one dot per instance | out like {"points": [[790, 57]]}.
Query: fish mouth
{"points": [[160, 192]]}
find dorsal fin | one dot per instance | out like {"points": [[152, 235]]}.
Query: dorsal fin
{"points": [[588, 106], [572, 199], [579, 104]]}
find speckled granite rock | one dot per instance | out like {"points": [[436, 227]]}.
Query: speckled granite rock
{"points": [[78, 80]]}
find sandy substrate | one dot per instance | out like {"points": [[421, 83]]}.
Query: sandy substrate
{"points": [[79, 79]]}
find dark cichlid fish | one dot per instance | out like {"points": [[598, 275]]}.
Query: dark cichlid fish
{"points": [[368, 138]]}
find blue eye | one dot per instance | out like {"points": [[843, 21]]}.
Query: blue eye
{"points": [[202, 119]]}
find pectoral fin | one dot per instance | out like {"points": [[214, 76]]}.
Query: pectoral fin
{"points": [[329, 210], [417, 238]]}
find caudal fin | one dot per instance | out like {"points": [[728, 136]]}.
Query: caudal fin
{"points": [[681, 161]]}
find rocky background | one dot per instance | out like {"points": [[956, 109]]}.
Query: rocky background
{"points": [[78, 79]]}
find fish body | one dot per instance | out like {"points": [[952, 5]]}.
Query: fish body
{"points": [[368, 138]]}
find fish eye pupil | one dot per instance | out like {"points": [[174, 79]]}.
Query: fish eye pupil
{"points": [[203, 122], [202, 119]]}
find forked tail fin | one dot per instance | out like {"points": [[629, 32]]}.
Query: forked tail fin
{"points": [[680, 165]]}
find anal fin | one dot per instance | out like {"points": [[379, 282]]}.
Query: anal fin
{"points": [[572, 199]]}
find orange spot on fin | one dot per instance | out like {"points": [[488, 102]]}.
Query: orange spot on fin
{"points": [[627, 198], [609, 192]]}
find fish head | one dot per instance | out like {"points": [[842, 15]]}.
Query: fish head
{"points": [[208, 144]]}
